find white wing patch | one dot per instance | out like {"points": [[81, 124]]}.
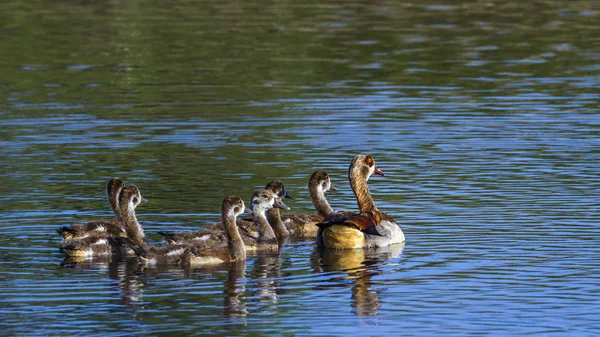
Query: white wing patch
{"points": [[176, 252], [100, 242]]}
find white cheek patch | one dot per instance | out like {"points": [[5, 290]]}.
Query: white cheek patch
{"points": [[100, 229]]}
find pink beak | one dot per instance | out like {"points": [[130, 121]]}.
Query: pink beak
{"points": [[379, 172]]}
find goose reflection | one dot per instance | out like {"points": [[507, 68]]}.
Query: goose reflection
{"points": [[123, 270], [234, 287], [267, 273], [360, 266]]}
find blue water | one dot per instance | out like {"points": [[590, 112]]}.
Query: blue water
{"points": [[484, 118]]}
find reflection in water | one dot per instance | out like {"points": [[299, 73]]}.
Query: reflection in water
{"points": [[131, 288], [234, 287], [267, 273], [361, 265], [125, 271]]}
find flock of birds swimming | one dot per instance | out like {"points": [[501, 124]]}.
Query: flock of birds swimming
{"points": [[229, 240]]}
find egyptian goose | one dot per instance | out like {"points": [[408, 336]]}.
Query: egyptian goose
{"points": [[304, 225], [212, 250], [129, 198], [248, 229], [370, 227]]}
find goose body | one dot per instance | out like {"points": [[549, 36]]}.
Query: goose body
{"points": [[202, 252], [368, 228], [101, 245], [264, 236]]}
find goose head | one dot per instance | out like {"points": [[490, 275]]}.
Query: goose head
{"points": [[131, 197], [364, 166], [320, 180], [279, 189], [232, 206], [263, 200]]}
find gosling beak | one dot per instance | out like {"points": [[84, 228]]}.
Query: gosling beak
{"points": [[144, 200], [248, 211], [332, 188], [279, 204], [379, 172]]}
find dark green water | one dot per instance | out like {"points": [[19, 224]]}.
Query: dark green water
{"points": [[483, 115]]}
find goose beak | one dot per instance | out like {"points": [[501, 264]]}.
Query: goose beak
{"points": [[144, 200], [332, 188], [279, 204], [379, 172], [248, 211]]}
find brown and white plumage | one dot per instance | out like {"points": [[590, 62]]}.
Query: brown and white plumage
{"points": [[99, 245], [236, 249], [202, 253], [214, 234], [273, 215], [262, 201], [105, 228], [370, 227], [263, 237], [304, 225]]}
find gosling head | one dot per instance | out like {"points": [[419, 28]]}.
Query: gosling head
{"points": [[321, 180], [279, 189], [131, 195], [232, 206], [263, 200]]}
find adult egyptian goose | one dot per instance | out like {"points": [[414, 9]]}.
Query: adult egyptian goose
{"points": [[370, 227], [304, 225], [129, 198], [99, 227]]}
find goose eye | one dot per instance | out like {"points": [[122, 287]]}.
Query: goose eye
{"points": [[135, 200], [236, 209]]}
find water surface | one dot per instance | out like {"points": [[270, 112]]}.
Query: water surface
{"points": [[483, 115]]}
